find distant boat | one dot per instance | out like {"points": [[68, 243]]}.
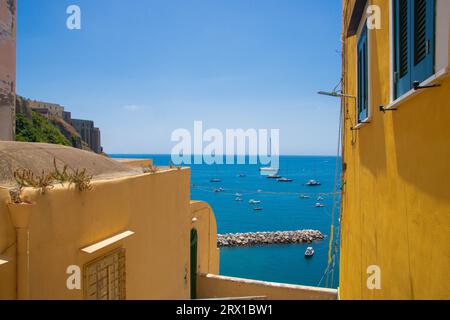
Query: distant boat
{"points": [[319, 199], [238, 195], [215, 180], [254, 202], [319, 205], [219, 190], [242, 175], [273, 176], [303, 196], [239, 199], [309, 252], [258, 209], [285, 180], [313, 183]]}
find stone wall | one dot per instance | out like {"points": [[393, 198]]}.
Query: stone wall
{"points": [[7, 68]]}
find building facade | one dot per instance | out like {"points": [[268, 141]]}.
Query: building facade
{"points": [[46, 108], [396, 144], [89, 133], [7, 69]]}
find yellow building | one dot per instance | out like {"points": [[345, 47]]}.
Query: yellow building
{"points": [[396, 150]]}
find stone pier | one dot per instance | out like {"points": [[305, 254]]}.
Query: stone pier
{"points": [[268, 238]]}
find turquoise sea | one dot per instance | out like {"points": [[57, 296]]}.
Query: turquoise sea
{"points": [[283, 210]]}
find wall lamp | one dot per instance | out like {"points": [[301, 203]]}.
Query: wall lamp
{"points": [[335, 94]]}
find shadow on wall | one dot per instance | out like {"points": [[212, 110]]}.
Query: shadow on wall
{"points": [[372, 146], [422, 141]]}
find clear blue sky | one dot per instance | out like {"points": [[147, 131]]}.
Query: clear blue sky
{"points": [[143, 68]]}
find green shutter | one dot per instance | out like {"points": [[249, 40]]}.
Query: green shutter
{"points": [[402, 74], [423, 45], [414, 43], [363, 77]]}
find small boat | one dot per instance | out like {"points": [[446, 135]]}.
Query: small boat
{"points": [[238, 195], [285, 180], [239, 199], [313, 183], [215, 180], [258, 209], [273, 176], [254, 202], [319, 199], [242, 175], [319, 205], [309, 252], [219, 190], [303, 196]]}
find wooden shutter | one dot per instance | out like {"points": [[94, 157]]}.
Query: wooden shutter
{"points": [[363, 77], [423, 44], [414, 43], [402, 72]]}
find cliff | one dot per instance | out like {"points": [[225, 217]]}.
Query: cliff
{"points": [[33, 127]]}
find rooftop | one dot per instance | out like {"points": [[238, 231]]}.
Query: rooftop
{"points": [[39, 157]]}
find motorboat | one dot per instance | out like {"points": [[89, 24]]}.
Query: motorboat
{"points": [[319, 205], [219, 190], [309, 252], [273, 176], [258, 209], [320, 199], [304, 196], [239, 199], [238, 195], [242, 175], [313, 183], [285, 180], [215, 180], [254, 202]]}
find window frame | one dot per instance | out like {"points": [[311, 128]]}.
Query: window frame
{"points": [[363, 28], [395, 98]]}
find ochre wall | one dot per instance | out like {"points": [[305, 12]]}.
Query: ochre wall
{"points": [[155, 206], [204, 221], [213, 286], [7, 250], [396, 198]]}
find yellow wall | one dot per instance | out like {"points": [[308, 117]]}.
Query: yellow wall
{"points": [[396, 197], [213, 286], [204, 221], [7, 250], [155, 206]]}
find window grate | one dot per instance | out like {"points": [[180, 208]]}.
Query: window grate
{"points": [[105, 277]]}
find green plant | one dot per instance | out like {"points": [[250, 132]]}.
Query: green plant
{"points": [[82, 180], [151, 169], [27, 179], [62, 176]]}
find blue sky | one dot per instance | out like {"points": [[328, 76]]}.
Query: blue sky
{"points": [[143, 68]]}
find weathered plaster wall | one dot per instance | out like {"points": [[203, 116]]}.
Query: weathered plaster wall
{"points": [[7, 68]]}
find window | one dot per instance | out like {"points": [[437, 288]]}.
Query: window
{"points": [[363, 76], [105, 277], [413, 43]]}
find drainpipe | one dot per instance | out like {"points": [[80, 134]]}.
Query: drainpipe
{"points": [[20, 216]]}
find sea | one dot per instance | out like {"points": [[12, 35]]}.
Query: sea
{"points": [[285, 207]]}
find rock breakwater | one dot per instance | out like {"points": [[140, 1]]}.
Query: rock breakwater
{"points": [[268, 238]]}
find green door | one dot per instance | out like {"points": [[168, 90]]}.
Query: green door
{"points": [[194, 238]]}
